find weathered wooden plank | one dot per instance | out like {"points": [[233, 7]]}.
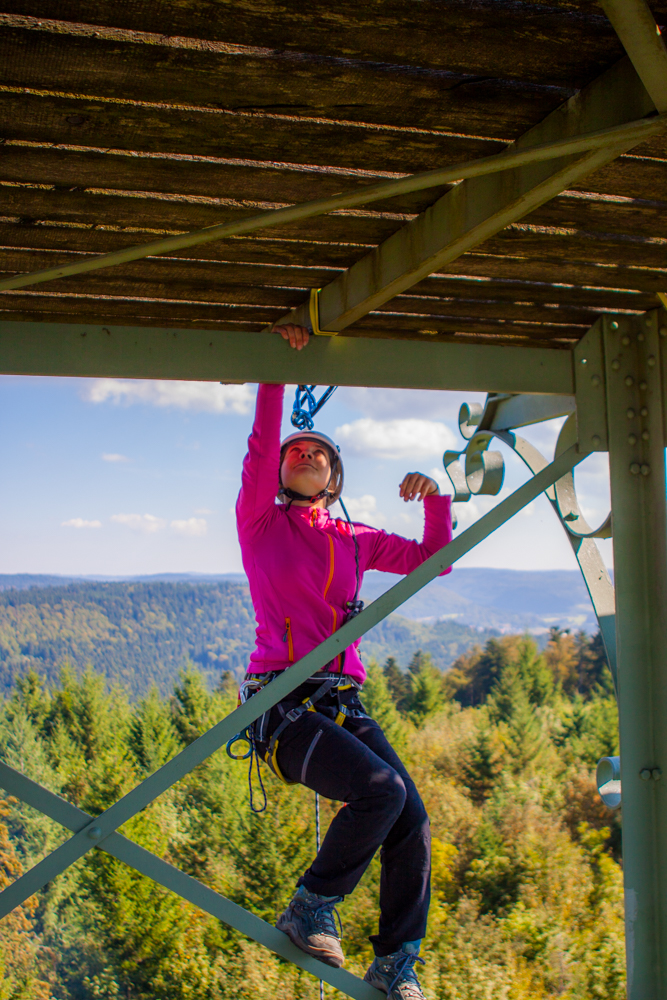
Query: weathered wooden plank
{"points": [[15, 232], [163, 276], [49, 308], [127, 65], [156, 212], [410, 312], [258, 136], [628, 176], [172, 215], [242, 179], [531, 41], [518, 267], [579, 245]]}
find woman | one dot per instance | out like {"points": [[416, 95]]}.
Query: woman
{"points": [[304, 569]]}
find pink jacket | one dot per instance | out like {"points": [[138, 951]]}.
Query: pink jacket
{"points": [[300, 562]]}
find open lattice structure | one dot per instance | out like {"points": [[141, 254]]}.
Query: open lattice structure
{"points": [[455, 194]]}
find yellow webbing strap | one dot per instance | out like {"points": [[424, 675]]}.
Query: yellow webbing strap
{"points": [[314, 311]]}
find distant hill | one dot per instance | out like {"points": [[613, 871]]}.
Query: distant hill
{"points": [[139, 634]]}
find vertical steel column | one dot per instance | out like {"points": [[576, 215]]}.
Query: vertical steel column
{"points": [[637, 467]]}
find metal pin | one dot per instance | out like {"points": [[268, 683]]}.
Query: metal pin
{"points": [[645, 469], [650, 361], [644, 411], [629, 380], [616, 364], [630, 413], [635, 468], [642, 386], [632, 439]]}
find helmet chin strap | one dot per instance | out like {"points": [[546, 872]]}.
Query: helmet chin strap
{"points": [[293, 495]]}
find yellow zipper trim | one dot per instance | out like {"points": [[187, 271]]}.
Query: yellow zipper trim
{"points": [[288, 633]]}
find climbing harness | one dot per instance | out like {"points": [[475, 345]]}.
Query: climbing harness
{"points": [[306, 406]]}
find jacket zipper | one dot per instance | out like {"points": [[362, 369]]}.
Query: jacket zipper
{"points": [[288, 639], [326, 591]]}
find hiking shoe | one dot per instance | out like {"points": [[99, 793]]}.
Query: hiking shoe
{"points": [[310, 923], [395, 975]]}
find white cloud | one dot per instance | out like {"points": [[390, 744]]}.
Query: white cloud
{"points": [[430, 404], [210, 397], [79, 522], [364, 509], [114, 457], [404, 439], [147, 523], [194, 527], [203, 510]]}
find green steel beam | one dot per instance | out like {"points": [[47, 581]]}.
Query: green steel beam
{"points": [[172, 878], [147, 791], [634, 385], [631, 132], [635, 26], [478, 208], [146, 352]]}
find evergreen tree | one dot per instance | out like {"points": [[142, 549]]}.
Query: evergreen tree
{"points": [[398, 683], [482, 761], [152, 736], [380, 706], [426, 694]]}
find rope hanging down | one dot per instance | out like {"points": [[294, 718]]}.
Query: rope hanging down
{"points": [[306, 406]]}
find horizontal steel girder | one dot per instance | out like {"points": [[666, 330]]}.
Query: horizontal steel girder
{"points": [[147, 352]]}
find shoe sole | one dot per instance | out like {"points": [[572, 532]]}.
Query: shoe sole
{"points": [[287, 927]]}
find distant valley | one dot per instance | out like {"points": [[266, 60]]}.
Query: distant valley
{"points": [[141, 632]]}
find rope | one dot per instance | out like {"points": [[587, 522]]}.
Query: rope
{"points": [[306, 406], [355, 606]]}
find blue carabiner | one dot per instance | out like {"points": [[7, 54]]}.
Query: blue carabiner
{"points": [[239, 738]]}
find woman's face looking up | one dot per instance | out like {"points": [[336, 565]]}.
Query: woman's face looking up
{"points": [[306, 467]]}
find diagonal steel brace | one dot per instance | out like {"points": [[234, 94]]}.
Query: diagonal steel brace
{"points": [[99, 832]]}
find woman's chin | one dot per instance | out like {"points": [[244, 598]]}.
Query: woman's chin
{"points": [[306, 487]]}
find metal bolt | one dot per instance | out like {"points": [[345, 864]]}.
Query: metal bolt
{"points": [[640, 337], [644, 411], [616, 364], [630, 413], [629, 380], [632, 439], [642, 386], [645, 435], [650, 361], [94, 833], [645, 774], [663, 331], [635, 468], [656, 773], [647, 321], [596, 439], [584, 361], [625, 341], [595, 379], [645, 470], [614, 325]]}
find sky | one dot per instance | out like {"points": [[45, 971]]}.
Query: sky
{"points": [[126, 477]]}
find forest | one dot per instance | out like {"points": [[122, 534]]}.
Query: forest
{"points": [[142, 634], [527, 882]]}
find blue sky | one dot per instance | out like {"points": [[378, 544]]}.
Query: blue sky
{"points": [[123, 477]]}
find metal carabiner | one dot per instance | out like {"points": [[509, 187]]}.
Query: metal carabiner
{"points": [[239, 738]]}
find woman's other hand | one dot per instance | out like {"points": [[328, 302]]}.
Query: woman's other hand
{"points": [[417, 485], [297, 336]]}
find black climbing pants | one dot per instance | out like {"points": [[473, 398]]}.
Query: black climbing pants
{"points": [[355, 764]]}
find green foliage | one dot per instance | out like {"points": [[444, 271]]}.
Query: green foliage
{"points": [[527, 887]]}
